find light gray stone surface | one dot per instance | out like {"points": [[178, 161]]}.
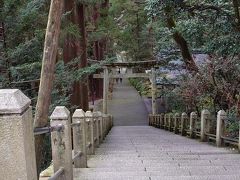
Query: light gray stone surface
{"points": [[142, 152], [17, 151], [13, 101], [137, 152], [127, 106]]}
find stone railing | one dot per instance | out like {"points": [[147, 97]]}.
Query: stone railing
{"points": [[17, 150], [206, 127]]}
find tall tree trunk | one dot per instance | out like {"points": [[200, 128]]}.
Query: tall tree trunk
{"points": [[182, 43], [71, 51], [47, 73], [83, 63]]}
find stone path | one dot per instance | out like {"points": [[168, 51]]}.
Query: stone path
{"points": [[146, 153], [127, 106], [132, 151]]}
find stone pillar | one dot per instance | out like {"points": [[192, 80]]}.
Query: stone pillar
{"points": [[221, 116], [104, 125], [162, 121], [165, 121], [105, 90], [62, 142], [89, 118], [193, 117], [100, 126], [79, 138], [183, 124], [154, 90], [204, 116], [169, 122], [176, 123], [17, 150], [96, 129]]}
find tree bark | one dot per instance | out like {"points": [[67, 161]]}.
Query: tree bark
{"points": [[182, 43], [236, 5], [71, 50], [47, 73], [83, 63]]}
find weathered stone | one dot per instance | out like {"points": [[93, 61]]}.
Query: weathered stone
{"points": [[60, 113], [13, 101], [62, 142], [17, 150], [79, 138]]}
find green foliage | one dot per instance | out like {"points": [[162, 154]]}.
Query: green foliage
{"points": [[140, 85]]}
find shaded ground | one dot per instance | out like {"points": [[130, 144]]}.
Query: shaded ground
{"points": [[127, 106]]}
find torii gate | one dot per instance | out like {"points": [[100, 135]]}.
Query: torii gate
{"points": [[106, 75]]}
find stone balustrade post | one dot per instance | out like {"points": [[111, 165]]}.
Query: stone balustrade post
{"points": [[17, 150], [96, 117], [183, 123], [154, 91], [100, 125], [204, 116], [169, 121], [79, 138], [104, 125], [158, 120], [149, 120], [155, 120], [221, 116], [165, 121], [90, 133], [105, 90], [162, 121], [62, 142], [111, 121], [193, 117], [176, 123]]}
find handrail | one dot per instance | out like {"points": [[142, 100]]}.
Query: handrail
{"points": [[57, 174], [229, 139], [49, 129], [210, 135], [206, 127], [79, 154]]}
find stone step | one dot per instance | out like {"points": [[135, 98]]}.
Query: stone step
{"points": [[183, 174], [146, 153]]}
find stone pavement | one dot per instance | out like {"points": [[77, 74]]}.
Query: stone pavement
{"points": [[127, 106], [132, 151], [147, 153]]}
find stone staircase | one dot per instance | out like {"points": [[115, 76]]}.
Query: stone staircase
{"points": [[147, 153]]}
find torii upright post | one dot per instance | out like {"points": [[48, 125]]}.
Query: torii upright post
{"points": [[105, 90], [154, 89]]}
